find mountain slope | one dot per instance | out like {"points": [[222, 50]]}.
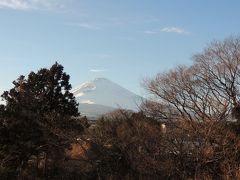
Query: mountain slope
{"points": [[92, 111], [104, 92]]}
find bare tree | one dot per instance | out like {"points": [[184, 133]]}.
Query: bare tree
{"points": [[197, 102], [207, 90]]}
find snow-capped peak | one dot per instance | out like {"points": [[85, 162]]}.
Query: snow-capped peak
{"points": [[105, 92]]}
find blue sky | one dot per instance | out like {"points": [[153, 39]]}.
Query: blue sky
{"points": [[124, 41]]}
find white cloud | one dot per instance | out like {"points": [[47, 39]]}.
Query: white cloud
{"points": [[97, 70], [167, 30], [174, 30], [85, 25], [30, 4], [151, 32], [14, 4]]}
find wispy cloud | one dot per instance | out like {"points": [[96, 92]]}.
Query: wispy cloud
{"points": [[176, 30], [97, 70], [151, 32], [104, 23], [85, 25], [31, 4], [119, 21]]}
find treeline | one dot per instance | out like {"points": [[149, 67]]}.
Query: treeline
{"points": [[188, 129]]}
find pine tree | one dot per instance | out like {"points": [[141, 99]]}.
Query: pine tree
{"points": [[34, 106], [42, 93]]}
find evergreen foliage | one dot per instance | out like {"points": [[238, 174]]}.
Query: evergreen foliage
{"points": [[44, 92], [36, 107]]}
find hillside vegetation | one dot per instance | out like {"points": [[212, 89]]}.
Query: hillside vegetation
{"points": [[188, 129]]}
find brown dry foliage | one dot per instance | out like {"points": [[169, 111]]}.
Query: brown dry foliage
{"points": [[199, 105]]}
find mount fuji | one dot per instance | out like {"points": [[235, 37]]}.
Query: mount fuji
{"points": [[101, 95]]}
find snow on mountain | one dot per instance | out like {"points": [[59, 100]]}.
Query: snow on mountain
{"points": [[104, 92]]}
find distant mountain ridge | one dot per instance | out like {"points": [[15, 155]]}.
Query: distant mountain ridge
{"points": [[102, 94]]}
